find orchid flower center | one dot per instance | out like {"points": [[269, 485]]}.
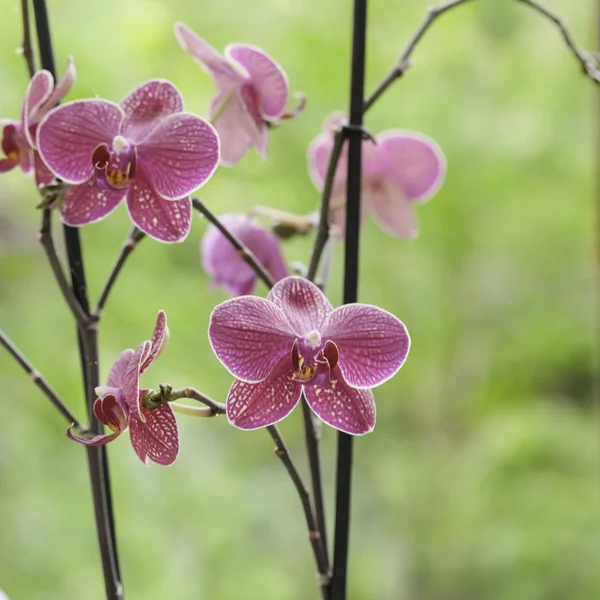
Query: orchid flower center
{"points": [[114, 167], [312, 360]]}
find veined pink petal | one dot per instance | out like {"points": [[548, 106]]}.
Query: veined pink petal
{"points": [[68, 135], [147, 105], [131, 383], [94, 440], [156, 438], [341, 406], [116, 376], [212, 61], [393, 211], [268, 78], [414, 162], [86, 203], [250, 336], [160, 337], [167, 221], [255, 405], [38, 91], [372, 343], [179, 155], [304, 305], [43, 176], [61, 89]]}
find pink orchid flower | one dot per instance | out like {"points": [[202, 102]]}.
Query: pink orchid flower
{"points": [[294, 341], [153, 433], [146, 151], [18, 137], [225, 265], [404, 168], [253, 92]]}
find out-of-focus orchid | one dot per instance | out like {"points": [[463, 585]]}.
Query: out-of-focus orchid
{"points": [[18, 137], [145, 150], [253, 92], [225, 265], [153, 433], [295, 341], [402, 169]]}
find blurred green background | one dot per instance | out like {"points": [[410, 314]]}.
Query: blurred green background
{"points": [[481, 478]]}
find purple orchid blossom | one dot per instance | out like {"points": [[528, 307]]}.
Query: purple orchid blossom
{"points": [[294, 341], [253, 93], [225, 265], [154, 435], [402, 169], [145, 150], [18, 137]]}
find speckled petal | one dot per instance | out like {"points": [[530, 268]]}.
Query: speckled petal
{"points": [[86, 203], [250, 336], [303, 303], [147, 105], [156, 438], [372, 343], [160, 337], [68, 135], [38, 91], [116, 376], [179, 155], [255, 405], [268, 78], [341, 406], [167, 221], [43, 176]]}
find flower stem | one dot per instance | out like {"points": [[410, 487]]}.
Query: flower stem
{"points": [[38, 379], [27, 45]]}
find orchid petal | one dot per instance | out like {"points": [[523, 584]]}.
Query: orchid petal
{"points": [[179, 155], [7, 164], [61, 89], [268, 78], [212, 61], [109, 411], [116, 376], [38, 91], [372, 343], [414, 162], [86, 203], [250, 336], [393, 211], [319, 154], [131, 383], [96, 440], [160, 337], [156, 438], [304, 305], [146, 105], [255, 405], [342, 406], [43, 176], [167, 221], [68, 135]]}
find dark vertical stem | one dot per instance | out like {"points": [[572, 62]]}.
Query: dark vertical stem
{"points": [[344, 457], [27, 45], [88, 350]]}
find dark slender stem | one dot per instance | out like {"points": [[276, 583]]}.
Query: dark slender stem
{"points": [[282, 452], [27, 44], [403, 63], [246, 255], [38, 379], [353, 192], [133, 239], [88, 349]]}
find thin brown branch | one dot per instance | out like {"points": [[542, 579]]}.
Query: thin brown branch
{"points": [[28, 54], [244, 252], [133, 239], [47, 241], [589, 64], [38, 379]]}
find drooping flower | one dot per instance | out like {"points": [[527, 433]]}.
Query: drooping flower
{"points": [[225, 265], [253, 92], [404, 168], [18, 137], [145, 150], [295, 341], [153, 433]]}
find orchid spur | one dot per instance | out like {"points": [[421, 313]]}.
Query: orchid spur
{"points": [[153, 433], [294, 341]]}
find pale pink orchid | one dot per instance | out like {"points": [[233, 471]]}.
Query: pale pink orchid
{"points": [[225, 265], [146, 151], [402, 169], [18, 137], [294, 341], [154, 435], [253, 92]]}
